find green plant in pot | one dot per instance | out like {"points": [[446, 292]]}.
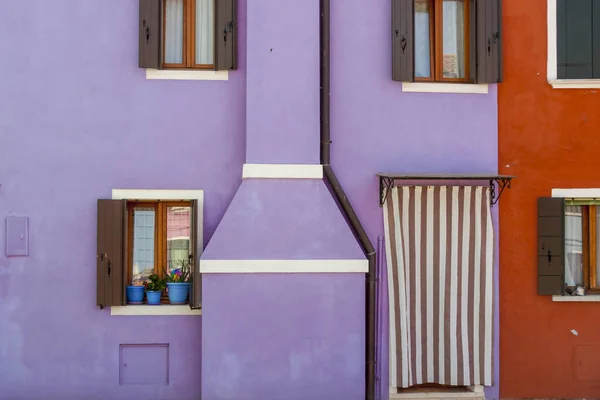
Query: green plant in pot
{"points": [[178, 283], [154, 289]]}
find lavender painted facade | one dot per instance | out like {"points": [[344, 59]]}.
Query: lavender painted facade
{"points": [[78, 118]]}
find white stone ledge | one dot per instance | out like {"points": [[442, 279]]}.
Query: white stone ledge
{"points": [[577, 299], [435, 87], [575, 83], [162, 309], [283, 266], [187, 75], [282, 171]]}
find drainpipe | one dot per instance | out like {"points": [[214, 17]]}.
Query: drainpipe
{"points": [[334, 184]]}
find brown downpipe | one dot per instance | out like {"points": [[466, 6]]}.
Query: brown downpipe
{"points": [[334, 184]]}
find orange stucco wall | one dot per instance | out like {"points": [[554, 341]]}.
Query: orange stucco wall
{"points": [[549, 138]]}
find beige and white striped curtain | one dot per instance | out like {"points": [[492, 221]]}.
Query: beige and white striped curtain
{"points": [[439, 252]]}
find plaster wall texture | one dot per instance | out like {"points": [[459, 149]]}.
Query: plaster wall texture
{"points": [[549, 139]]}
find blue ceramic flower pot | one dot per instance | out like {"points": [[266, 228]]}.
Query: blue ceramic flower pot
{"points": [[178, 292], [135, 294], [153, 297]]}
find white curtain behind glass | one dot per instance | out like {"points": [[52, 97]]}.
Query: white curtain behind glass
{"points": [[454, 39], [143, 243], [574, 246], [173, 31], [204, 31], [422, 40]]}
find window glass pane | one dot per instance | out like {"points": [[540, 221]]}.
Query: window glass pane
{"points": [[574, 245], [204, 31], [453, 39], [173, 31], [143, 243], [178, 236], [422, 39]]}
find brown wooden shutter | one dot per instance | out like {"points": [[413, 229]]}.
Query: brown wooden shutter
{"points": [[150, 34], [551, 243], [196, 299], [403, 43], [486, 29], [226, 35], [111, 253]]}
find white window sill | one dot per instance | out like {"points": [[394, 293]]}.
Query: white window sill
{"points": [[474, 392], [575, 83], [162, 309], [435, 87], [187, 75], [576, 299]]}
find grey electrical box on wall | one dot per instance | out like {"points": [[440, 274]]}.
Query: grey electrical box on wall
{"points": [[17, 236]]}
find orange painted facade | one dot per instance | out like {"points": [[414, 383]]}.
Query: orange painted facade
{"points": [[549, 138]]}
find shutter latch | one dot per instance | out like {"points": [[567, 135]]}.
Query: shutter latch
{"points": [[147, 31], [228, 28]]}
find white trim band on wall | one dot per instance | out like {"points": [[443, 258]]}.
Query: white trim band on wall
{"points": [[592, 193], [283, 171], [283, 266]]}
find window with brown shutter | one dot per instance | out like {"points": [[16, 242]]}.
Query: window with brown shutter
{"points": [[568, 242], [140, 238], [446, 41], [187, 34]]}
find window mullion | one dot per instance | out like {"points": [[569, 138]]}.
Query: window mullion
{"points": [[592, 245], [438, 58]]}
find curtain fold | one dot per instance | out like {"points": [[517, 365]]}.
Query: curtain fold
{"points": [[439, 253], [173, 31], [204, 31]]}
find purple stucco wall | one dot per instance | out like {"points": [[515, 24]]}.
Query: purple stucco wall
{"points": [[283, 219], [283, 82], [77, 119], [378, 128]]}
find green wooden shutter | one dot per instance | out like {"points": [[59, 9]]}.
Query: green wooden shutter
{"points": [[403, 42], [578, 34], [111, 253], [226, 34], [487, 48], [149, 52], [196, 299], [551, 245]]}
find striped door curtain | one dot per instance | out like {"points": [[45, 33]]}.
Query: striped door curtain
{"points": [[439, 252]]}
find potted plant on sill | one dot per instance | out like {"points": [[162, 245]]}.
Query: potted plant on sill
{"points": [[135, 293], [154, 289], [178, 284]]}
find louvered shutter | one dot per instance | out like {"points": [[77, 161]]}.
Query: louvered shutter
{"points": [[551, 244], [403, 43], [111, 253], [149, 34], [487, 51], [196, 295], [226, 34]]}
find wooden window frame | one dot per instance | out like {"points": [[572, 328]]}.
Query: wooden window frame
{"points": [[189, 38], [436, 44], [590, 251], [160, 235]]}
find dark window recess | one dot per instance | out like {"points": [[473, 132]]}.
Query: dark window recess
{"points": [[151, 38], [551, 244], [485, 36], [578, 39], [111, 251]]}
